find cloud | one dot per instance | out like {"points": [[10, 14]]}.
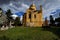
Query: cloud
{"points": [[11, 4], [4, 2], [22, 5], [14, 16], [14, 8], [50, 6]]}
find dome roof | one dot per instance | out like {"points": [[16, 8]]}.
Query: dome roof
{"points": [[33, 7]]}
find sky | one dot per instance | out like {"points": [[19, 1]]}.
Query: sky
{"points": [[21, 5]]}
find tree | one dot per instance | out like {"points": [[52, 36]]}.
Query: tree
{"points": [[0, 12], [17, 21], [57, 20], [8, 14], [0, 16], [52, 22], [46, 22], [0, 8], [59, 14]]}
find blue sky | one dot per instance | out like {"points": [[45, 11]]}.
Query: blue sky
{"points": [[21, 5]]}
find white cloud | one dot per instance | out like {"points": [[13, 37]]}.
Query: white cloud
{"points": [[14, 16], [14, 8], [51, 7], [24, 5], [11, 4]]}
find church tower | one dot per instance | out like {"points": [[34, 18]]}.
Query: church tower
{"points": [[41, 15], [41, 8], [33, 17]]}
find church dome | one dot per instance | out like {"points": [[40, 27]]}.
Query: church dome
{"points": [[33, 7]]}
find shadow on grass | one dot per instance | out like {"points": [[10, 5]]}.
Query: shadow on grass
{"points": [[55, 30], [4, 38]]}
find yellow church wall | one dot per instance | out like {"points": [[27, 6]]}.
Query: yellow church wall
{"points": [[35, 22]]}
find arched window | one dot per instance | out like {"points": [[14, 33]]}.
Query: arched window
{"points": [[29, 16], [34, 16]]}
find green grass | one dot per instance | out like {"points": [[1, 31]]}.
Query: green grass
{"points": [[26, 33]]}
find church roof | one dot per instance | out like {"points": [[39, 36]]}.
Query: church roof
{"points": [[37, 11], [32, 5]]}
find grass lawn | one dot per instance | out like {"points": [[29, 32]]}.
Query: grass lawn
{"points": [[26, 33]]}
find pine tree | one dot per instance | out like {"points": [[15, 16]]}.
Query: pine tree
{"points": [[8, 14], [46, 22], [17, 21], [52, 22]]}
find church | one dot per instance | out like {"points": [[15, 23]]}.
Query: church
{"points": [[33, 17]]}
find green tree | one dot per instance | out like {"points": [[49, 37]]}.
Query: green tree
{"points": [[0, 8], [8, 14], [52, 22], [58, 21], [46, 21], [0, 12], [59, 14], [17, 21]]}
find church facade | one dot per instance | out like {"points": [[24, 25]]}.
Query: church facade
{"points": [[33, 17]]}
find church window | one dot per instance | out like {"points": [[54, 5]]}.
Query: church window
{"points": [[29, 16], [34, 16]]}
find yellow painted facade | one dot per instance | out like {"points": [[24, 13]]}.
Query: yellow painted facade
{"points": [[33, 17]]}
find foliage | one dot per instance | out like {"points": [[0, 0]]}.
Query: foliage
{"points": [[57, 20], [17, 21], [46, 22], [52, 22], [8, 13], [0, 8]]}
